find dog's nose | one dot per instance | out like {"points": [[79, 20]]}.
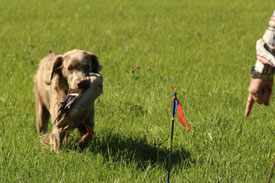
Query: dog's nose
{"points": [[83, 84]]}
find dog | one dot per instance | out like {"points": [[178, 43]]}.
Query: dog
{"points": [[57, 74]]}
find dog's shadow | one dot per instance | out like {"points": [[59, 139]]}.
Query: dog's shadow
{"points": [[116, 147]]}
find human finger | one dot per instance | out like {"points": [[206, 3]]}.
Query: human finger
{"points": [[249, 105]]}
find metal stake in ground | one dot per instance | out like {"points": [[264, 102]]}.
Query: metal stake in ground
{"points": [[175, 105], [173, 111], [271, 173]]}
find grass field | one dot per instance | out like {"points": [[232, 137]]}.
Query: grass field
{"points": [[204, 48]]}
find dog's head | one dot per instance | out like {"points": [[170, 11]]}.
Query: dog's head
{"points": [[75, 66]]}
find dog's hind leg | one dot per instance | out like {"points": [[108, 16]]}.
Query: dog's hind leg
{"points": [[42, 115]]}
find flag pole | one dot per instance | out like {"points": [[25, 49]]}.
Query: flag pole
{"points": [[270, 173], [173, 111]]}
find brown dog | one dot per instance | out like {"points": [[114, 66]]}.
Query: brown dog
{"points": [[56, 75]]}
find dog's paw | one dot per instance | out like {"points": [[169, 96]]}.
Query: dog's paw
{"points": [[51, 140], [45, 140], [82, 142]]}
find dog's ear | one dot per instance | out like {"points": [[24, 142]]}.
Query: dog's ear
{"points": [[54, 68], [94, 63]]}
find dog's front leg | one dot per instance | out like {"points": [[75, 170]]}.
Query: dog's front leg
{"points": [[83, 141], [56, 139], [86, 131], [58, 136]]}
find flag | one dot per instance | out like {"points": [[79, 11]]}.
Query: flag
{"points": [[176, 106]]}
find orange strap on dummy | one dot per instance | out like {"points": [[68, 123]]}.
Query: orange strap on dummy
{"points": [[89, 130]]}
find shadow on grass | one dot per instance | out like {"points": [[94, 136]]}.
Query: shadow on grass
{"points": [[137, 149]]}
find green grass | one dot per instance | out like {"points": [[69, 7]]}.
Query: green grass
{"points": [[204, 48]]}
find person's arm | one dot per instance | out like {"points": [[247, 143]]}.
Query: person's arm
{"points": [[261, 83]]}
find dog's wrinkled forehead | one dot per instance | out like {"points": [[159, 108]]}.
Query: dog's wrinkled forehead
{"points": [[75, 57], [79, 59]]}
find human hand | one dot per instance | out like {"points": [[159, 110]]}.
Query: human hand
{"points": [[259, 91]]}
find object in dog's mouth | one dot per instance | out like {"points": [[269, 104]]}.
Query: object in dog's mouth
{"points": [[77, 105]]}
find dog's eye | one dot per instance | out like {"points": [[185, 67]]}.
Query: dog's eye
{"points": [[70, 68]]}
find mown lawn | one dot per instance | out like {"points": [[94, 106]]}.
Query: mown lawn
{"points": [[204, 48]]}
